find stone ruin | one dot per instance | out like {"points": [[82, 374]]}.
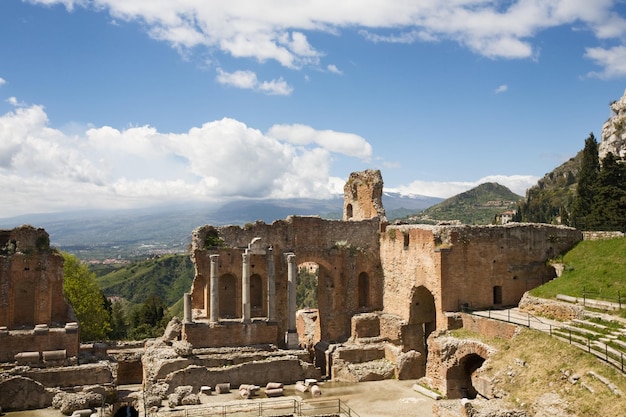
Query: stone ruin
{"points": [[385, 293]]}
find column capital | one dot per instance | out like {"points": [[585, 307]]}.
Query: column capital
{"points": [[214, 257]]}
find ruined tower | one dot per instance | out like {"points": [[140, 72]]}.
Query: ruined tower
{"points": [[362, 196]]}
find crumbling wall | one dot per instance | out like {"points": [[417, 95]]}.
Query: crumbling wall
{"points": [[362, 196], [34, 314], [39, 340], [344, 251], [31, 280], [463, 265], [447, 370]]}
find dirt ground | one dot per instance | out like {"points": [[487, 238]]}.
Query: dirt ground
{"points": [[366, 399]]}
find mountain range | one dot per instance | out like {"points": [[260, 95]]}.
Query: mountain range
{"points": [[134, 233]]}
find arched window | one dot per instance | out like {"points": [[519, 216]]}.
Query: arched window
{"points": [[349, 213]]}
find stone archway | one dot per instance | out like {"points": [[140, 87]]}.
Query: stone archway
{"points": [[423, 316], [454, 366], [459, 377]]}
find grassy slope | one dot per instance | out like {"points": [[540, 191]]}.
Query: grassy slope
{"points": [[596, 267], [547, 362]]}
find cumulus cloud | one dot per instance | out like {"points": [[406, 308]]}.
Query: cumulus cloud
{"points": [[273, 30], [338, 142], [45, 169], [248, 80], [612, 60], [2, 81], [444, 189]]}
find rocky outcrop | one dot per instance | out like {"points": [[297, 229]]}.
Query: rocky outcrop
{"points": [[614, 131], [553, 309]]}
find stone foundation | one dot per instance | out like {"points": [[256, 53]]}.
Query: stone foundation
{"points": [[15, 341], [230, 334]]}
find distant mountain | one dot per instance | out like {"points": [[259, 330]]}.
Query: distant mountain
{"points": [[134, 233], [479, 205]]}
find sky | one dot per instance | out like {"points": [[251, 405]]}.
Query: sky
{"points": [[133, 103]]}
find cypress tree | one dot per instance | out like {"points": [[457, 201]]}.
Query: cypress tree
{"points": [[587, 182]]}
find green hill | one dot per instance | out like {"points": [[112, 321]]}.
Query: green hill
{"points": [[480, 205], [552, 199], [167, 277]]}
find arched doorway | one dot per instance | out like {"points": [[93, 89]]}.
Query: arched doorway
{"points": [[459, 377], [423, 316], [497, 295], [228, 296]]}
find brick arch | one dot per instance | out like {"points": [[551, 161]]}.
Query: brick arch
{"points": [[460, 374]]}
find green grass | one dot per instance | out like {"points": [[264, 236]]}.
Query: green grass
{"points": [[596, 269], [546, 361]]}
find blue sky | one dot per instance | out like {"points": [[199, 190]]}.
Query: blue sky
{"points": [[124, 103]]}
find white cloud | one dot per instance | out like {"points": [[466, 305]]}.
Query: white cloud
{"points": [[13, 101], [333, 68], [338, 142], [45, 169], [445, 189], [275, 30], [612, 60], [276, 87], [2, 81], [502, 89], [248, 80]]}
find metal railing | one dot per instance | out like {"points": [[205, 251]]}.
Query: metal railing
{"points": [[597, 348], [273, 408]]}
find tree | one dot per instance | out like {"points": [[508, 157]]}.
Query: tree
{"points": [[609, 208], [83, 293], [587, 182], [148, 319], [306, 289]]}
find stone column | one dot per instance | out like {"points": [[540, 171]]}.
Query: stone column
{"points": [[271, 286], [187, 319], [214, 316], [245, 288], [291, 339]]}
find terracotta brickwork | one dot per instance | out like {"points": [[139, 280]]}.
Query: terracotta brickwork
{"points": [[344, 252], [34, 314], [473, 266], [31, 280]]}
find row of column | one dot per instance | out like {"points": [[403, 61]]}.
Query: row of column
{"points": [[211, 290]]}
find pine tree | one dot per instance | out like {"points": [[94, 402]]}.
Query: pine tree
{"points": [[609, 208]]}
